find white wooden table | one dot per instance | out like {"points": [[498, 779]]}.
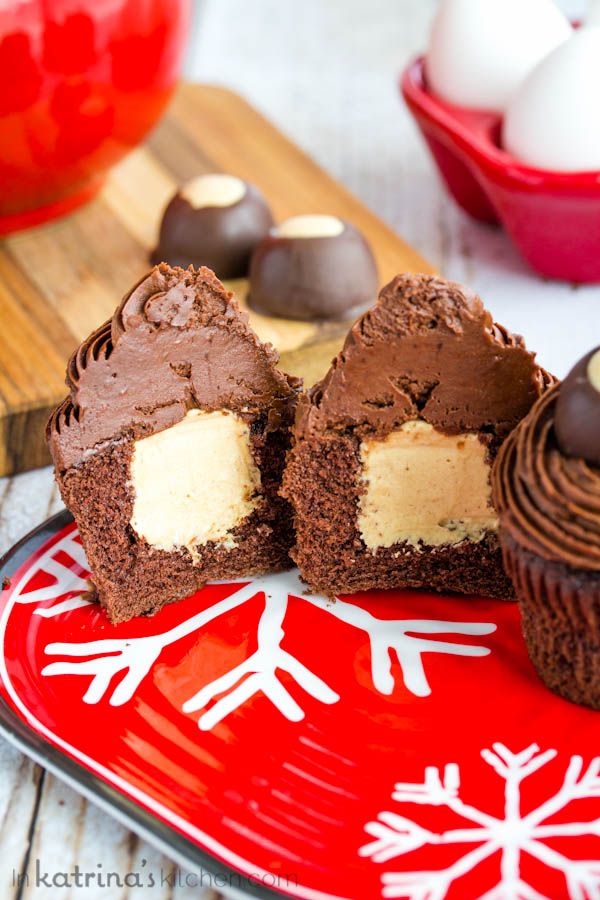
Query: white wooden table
{"points": [[325, 71]]}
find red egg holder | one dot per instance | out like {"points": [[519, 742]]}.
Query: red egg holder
{"points": [[553, 218]]}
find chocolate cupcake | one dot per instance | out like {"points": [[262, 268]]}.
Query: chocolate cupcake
{"points": [[546, 486]]}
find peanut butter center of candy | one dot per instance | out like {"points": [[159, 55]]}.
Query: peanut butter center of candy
{"points": [[310, 226], [424, 487], [593, 371], [194, 482], [213, 190]]}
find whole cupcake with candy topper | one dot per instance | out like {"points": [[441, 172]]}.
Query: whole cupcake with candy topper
{"points": [[547, 491]]}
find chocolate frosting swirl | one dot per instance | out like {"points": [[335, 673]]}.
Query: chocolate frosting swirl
{"points": [[427, 349], [176, 341], [549, 503]]}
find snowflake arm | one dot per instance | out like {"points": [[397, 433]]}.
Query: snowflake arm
{"points": [[575, 786], [134, 657], [134, 660], [69, 570], [396, 835], [258, 674], [416, 885], [513, 889], [582, 876], [400, 636], [64, 606], [435, 791], [523, 764], [434, 885]]}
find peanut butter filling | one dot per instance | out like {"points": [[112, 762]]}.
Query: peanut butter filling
{"points": [[424, 487], [194, 482]]}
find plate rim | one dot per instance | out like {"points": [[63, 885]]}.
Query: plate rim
{"points": [[145, 824]]}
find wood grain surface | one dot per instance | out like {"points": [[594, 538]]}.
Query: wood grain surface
{"points": [[60, 281]]}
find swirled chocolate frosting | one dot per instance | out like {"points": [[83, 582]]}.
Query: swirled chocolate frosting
{"points": [[548, 502], [577, 417], [176, 341], [427, 349]]}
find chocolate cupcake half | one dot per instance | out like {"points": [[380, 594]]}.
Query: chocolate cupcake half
{"points": [[169, 448], [549, 505], [389, 475]]}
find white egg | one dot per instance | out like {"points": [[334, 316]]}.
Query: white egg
{"points": [[553, 122], [481, 50], [593, 13]]}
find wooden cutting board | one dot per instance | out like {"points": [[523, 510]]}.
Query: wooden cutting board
{"points": [[60, 281]]}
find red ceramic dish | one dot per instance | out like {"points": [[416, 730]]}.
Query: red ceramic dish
{"points": [[553, 218], [85, 82]]}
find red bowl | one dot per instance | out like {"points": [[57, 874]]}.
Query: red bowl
{"points": [[85, 81], [553, 218]]}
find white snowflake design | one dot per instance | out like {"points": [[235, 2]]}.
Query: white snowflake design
{"points": [[118, 666], [66, 564], [511, 836]]}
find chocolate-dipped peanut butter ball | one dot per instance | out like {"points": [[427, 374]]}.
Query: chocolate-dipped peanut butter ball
{"points": [[313, 267], [214, 221], [577, 417]]}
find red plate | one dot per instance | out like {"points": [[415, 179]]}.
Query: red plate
{"points": [[382, 745]]}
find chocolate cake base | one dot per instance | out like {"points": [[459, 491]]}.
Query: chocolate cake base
{"points": [[321, 481], [560, 611], [130, 576]]}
